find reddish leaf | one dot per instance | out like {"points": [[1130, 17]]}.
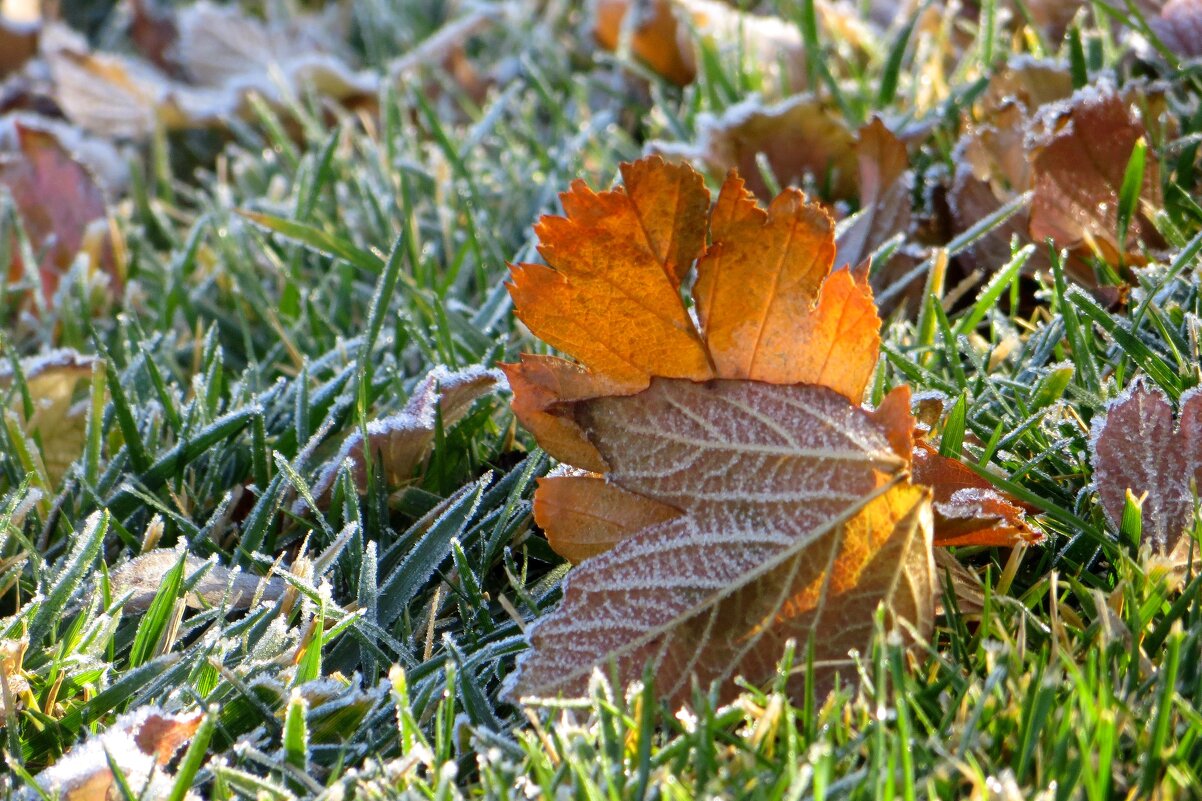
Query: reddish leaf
{"points": [[968, 509], [1136, 447], [61, 207], [1179, 26], [1078, 170]]}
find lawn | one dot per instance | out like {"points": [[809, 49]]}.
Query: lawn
{"points": [[267, 521]]}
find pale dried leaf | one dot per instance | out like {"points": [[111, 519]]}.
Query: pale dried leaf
{"points": [[143, 577], [397, 444]]}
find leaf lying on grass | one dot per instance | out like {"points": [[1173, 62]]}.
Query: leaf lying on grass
{"points": [[397, 444], [56, 421], [142, 577], [799, 137], [62, 208], [138, 743], [747, 497], [1136, 447]]}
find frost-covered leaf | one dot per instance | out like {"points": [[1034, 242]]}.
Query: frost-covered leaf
{"points": [[656, 37], [663, 35], [801, 139], [1179, 26], [968, 509], [18, 43], [140, 744], [397, 444], [796, 521], [1136, 447], [142, 576], [603, 256], [1078, 162], [885, 185]]}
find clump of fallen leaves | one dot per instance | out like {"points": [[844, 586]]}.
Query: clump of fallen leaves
{"points": [[1070, 150], [730, 491]]}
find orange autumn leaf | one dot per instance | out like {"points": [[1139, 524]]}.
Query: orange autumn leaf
{"points": [[606, 256], [655, 38], [968, 509], [585, 515]]}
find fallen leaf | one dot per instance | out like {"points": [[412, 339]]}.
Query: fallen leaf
{"points": [[58, 421], [656, 37], [597, 264], [794, 515], [757, 296], [1078, 165], [885, 187], [665, 35], [584, 515], [140, 743], [142, 577], [801, 138], [539, 383], [155, 34], [12, 673], [730, 491], [61, 207], [968, 509], [397, 444], [1136, 447], [18, 44]]}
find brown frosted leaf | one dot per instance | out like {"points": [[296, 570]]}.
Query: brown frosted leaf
{"points": [[18, 44], [801, 138], [968, 509], [154, 32], [397, 445], [1136, 447], [1028, 82], [1078, 170], [61, 207], [795, 522]]}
